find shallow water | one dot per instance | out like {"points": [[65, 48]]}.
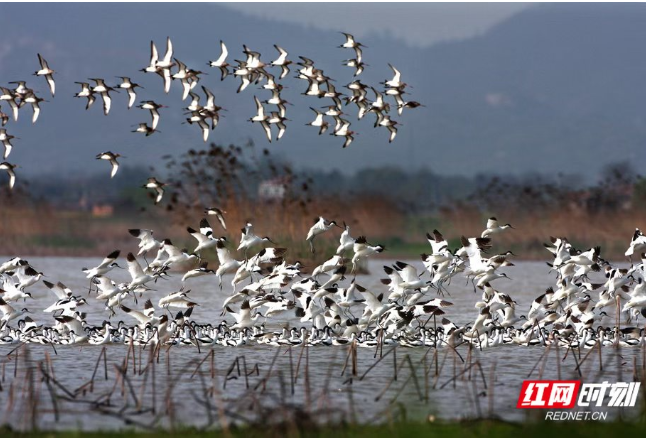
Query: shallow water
{"points": [[488, 380]]}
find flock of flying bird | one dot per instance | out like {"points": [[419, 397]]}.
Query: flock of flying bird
{"points": [[332, 307], [251, 71], [329, 305]]}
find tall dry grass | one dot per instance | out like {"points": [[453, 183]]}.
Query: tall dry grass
{"points": [[228, 177]]}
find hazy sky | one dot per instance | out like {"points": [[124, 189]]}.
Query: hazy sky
{"points": [[419, 24]]}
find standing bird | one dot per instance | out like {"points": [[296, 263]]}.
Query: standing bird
{"points": [[320, 226], [112, 157], [47, 73], [9, 168], [158, 186]]}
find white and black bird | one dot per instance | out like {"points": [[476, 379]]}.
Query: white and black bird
{"points": [[493, 227], [9, 168], [219, 214], [320, 226], [6, 138], [153, 107], [144, 128], [221, 62], [31, 98], [204, 236], [47, 73], [129, 87], [346, 242], [112, 158], [262, 118], [9, 313], [396, 82], [200, 271], [249, 238], [9, 96], [319, 121], [363, 250], [86, 92], [156, 185], [282, 61], [350, 42], [106, 265], [147, 242]]}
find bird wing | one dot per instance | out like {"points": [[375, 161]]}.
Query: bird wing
{"points": [[134, 268], [372, 302], [154, 56], [205, 228], [223, 55], [51, 83], [5, 308], [43, 63], [397, 76], [220, 218], [408, 272], [142, 318], [224, 255], [107, 102], [115, 167], [169, 51], [155, 115], [160, 194]]}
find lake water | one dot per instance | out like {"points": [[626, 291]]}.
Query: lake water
{"points": [[282, 383]]}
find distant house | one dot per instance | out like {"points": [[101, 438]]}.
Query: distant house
{"points": [[273, 189], [102, 210]]}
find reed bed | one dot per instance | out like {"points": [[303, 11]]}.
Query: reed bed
{"points": [[278, 391]]}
